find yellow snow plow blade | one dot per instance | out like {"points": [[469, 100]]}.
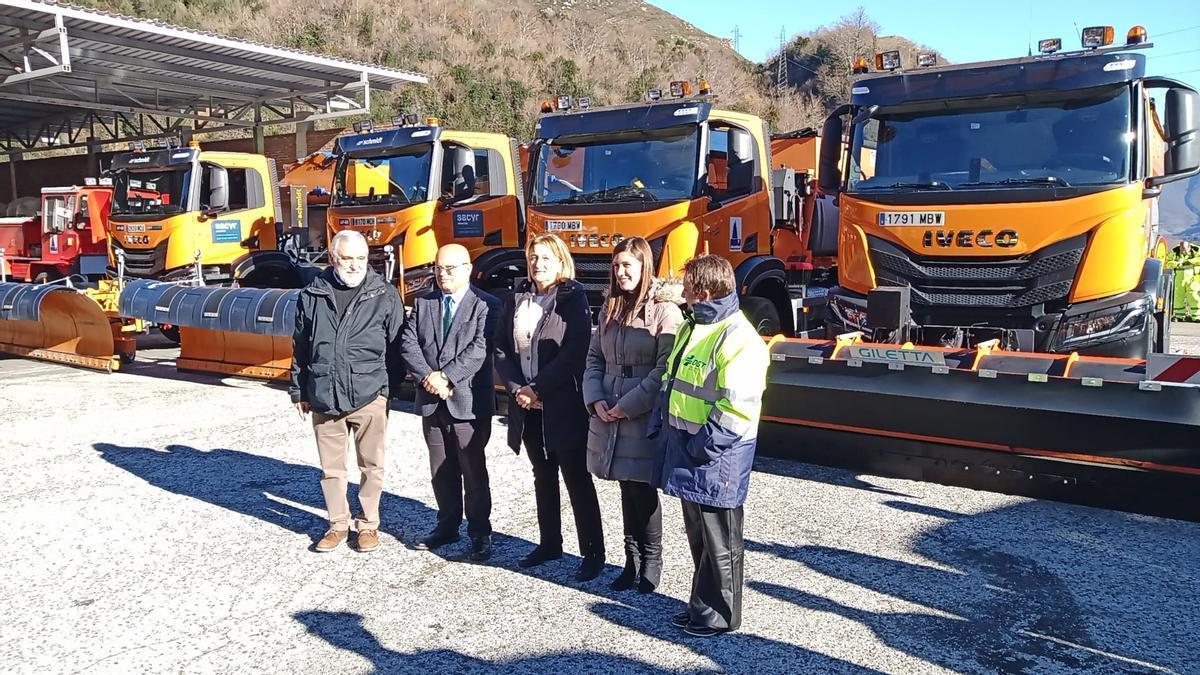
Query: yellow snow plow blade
{"points": [[55, 323]]}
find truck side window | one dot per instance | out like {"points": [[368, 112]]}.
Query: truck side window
{"points": [[730, 163], [482, 173], [245, 188], [238, 197]]}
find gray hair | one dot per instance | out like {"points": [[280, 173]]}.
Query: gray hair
{"points": [[345, 235]]}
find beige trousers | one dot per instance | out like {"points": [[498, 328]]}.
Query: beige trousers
{"points": [[369, 426]]}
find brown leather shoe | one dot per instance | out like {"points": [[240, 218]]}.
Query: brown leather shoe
{"points": [[331, 540], [368, 540]]}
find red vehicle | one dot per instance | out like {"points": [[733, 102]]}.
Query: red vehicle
{"points": [[69, 237]]}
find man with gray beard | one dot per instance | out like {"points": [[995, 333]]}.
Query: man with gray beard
{"points": [[345, 357]]}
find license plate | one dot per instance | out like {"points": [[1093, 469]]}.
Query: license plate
{"points": [[367, 221], [564, 225], [920, 218], [135, 228]]}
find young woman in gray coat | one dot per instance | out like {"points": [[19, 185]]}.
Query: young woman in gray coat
{"points": [[625, 365]]}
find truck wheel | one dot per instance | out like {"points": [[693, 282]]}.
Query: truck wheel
{"points": [[762, 314]]}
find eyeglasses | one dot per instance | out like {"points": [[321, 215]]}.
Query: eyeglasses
{"points": [[449, 269]]}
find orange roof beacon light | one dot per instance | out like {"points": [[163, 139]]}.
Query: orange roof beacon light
{"points": [[705, 90], [681, 88], [1049, 45], [547, 107], [926, 60], [432, 121], [1136, 35], [887, 60], [1097, 36], [860, 66]]}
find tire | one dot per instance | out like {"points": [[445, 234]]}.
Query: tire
{"points": [[763, 315], [170, 332]]}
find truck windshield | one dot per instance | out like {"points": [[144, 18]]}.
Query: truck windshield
{"points": [[636, 166], [156, 192], [399, 177], [1030, 140]]}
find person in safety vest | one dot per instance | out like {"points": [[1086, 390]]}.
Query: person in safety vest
{"points": [[707, 424]]}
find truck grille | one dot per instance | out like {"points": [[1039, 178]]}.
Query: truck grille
{"points": [[1039, 277], [592, 271], [143, 262]]}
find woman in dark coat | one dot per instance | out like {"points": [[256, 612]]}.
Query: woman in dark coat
{"points": [[624, 373], [541, 343]]}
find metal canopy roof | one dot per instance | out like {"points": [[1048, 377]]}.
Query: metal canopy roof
{"points": [[70, 74]]}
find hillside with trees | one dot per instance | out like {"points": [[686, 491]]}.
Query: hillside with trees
{"points": [[491, 63]]}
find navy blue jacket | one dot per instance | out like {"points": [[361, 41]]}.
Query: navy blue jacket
{"points": [[711, 467]]}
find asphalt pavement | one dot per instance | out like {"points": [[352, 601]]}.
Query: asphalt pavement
{"points": [[162, 522]]}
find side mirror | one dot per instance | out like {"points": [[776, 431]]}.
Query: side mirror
{"points": [[830, 179], [217, 198], [1182, 155]]}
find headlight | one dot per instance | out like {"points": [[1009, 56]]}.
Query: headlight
{"points": [[1104, 323], [418, 280], [847, 314]]}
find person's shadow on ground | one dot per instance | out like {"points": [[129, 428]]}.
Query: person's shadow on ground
{"points": [[733, 652], [346, 631], [266, 488]]}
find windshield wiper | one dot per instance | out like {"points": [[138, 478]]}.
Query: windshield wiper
{"points": [[1052, 181], [931, 185], [619, 193]]}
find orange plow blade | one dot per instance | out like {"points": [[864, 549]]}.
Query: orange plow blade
{"points": [[267, 357], [55, 323]]}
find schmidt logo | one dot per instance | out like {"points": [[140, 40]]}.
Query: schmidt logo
{"points": [[370, 141]]}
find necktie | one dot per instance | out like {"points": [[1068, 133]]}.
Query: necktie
{"points": [[447, 315]]}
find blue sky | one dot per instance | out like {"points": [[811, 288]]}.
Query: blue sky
{"points": [[986, 31]]}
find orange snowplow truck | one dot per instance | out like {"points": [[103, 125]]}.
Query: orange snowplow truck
{"points": [[690, 178], [411, 188], [1011, 200]]}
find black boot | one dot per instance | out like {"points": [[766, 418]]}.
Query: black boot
{"points": [[633, 563], [651, 549], [651, 567]]}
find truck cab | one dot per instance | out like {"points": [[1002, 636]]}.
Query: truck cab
{"points": [[66, 238], [1011, 200], [179, 212], [687, 176], [416, 187]]}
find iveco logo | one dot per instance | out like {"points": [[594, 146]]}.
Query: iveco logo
{"points": [[970, 239], [370, 141], [595, 240]]}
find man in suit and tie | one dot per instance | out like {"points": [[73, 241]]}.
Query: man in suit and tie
{"points": [[446, 345]]}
